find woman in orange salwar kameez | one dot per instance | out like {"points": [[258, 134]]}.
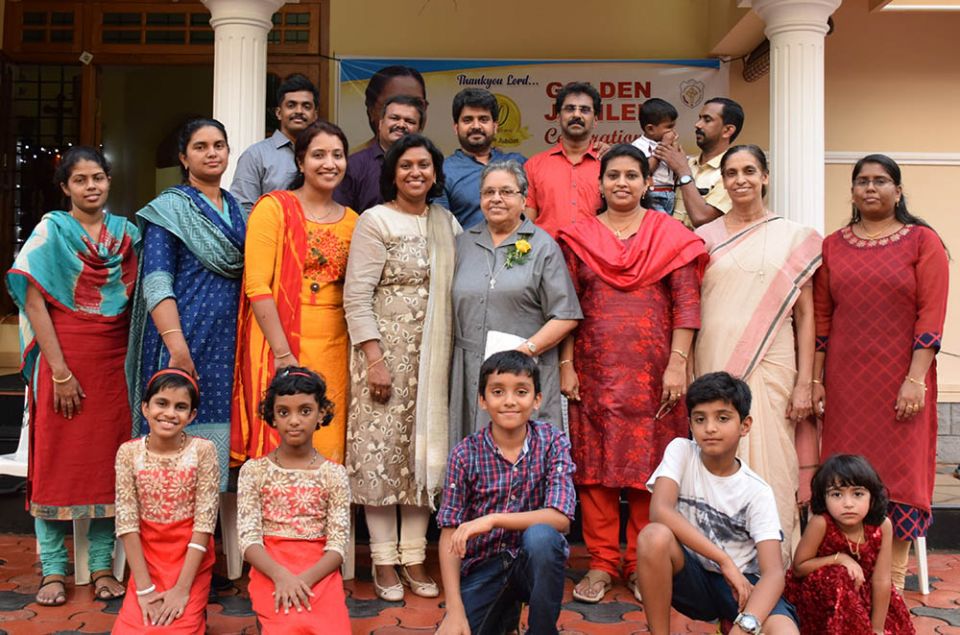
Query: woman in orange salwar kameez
{"points": [[292, 309]]}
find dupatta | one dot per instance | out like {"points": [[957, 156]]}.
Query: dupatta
{"points": [[93, 280], [250, 379], [660, 246], [183, 212]]}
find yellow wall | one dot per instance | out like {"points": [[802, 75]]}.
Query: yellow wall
{"points": [[892, 82]]}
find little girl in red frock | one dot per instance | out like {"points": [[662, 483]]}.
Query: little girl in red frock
{"points": [[840, 581], [294, 515], [168, 487]]}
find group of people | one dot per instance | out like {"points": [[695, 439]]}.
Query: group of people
{"points": [[405, 332]]}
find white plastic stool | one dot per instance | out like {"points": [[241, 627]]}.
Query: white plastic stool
{"points": [[230, 535], [920, 546], [16, 465], [349, 567]]}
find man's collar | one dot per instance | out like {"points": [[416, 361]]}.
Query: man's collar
{"points": [[280, 139], [561, 149]]}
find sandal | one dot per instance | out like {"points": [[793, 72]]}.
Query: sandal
{"points": [[634, 587], [586, 590], [60, 598], [102, 591]]}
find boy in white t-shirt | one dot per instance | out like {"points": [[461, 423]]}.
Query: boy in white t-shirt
{"points": [[658, 120], [712, 548]]}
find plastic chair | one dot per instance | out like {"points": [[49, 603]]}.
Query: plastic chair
{"points": [[920, 546], [16, 465], [230, 535]]}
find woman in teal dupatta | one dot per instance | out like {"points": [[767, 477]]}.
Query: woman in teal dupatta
{"points": [[72, 282], [190, 285]]}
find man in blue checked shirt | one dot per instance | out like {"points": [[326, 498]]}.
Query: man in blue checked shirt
{"points": [[507, 502]]}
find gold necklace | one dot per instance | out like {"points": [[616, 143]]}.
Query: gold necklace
{"points": [[759, 271], [855, 548], [183, 441], [878, 234], [623, 230], [313, 459]]}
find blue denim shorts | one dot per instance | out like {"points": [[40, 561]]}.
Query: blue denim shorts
{"points": [[704, 595]]}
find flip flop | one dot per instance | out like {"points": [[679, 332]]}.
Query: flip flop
{"points": [[60, 598], [590, 595], [102, 591]]}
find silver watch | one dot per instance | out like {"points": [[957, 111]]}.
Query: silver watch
{"points": [[749, 624], [531, 347], [683, 180]]}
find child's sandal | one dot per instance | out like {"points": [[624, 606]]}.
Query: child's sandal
{"points": [[60, 598], [591, 594], [634, 587]]}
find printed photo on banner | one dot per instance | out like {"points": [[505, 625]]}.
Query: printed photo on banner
{"points": [[525, 91]]}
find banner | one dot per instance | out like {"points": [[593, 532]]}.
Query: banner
{"points": [[526, 90]]}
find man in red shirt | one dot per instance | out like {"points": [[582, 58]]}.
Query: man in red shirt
{"points": [[565, 180]]}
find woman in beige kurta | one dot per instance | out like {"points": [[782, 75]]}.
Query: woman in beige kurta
{"points": [[397, 303]]}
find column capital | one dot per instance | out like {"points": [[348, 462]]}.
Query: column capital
{"points": [[258, 13], [795, 15]]}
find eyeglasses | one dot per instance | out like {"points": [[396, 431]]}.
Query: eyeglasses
{"points": [[879, 182], [503, 192], [572, 108]]}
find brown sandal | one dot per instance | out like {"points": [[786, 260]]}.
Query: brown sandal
{"points": [[102, 591], [590, 594], [60, 598]]}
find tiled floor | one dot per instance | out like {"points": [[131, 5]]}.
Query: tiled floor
{"points": [[937, 613]]}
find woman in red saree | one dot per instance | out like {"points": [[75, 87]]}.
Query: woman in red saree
{"points": [[72, 282], [168, 485], [757, 312], [637, 274], [881, 300]]}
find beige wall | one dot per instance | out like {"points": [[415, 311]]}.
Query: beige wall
{"points": [[892, 79]]}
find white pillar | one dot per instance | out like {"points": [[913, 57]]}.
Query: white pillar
{"points": [[240, 70], [796, 29]]}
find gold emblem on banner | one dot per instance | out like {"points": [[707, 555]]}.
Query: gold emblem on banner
{"points": [[510, 132], [691, 92]]}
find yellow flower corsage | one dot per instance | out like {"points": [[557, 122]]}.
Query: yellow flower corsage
{"points": [[520, 252]]}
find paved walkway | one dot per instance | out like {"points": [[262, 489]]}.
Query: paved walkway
{"points": [[937, 613]]}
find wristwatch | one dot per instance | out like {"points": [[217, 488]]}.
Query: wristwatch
{"points": [[748, 624], [683, 180], [531, 347]]}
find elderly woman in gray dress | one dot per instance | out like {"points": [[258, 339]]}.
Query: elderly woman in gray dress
{"points": [[510, 277]]}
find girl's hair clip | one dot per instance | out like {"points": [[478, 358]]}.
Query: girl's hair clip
{"points": [[297, 373]]}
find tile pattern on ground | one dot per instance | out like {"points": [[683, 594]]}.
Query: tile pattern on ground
{"points": [[229, 611]]}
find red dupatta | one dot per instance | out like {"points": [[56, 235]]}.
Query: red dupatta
{"points": [[249, 436], [660, 246]]}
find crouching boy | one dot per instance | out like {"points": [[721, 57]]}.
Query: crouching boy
{"points": [[712, 549], [507, 501]]}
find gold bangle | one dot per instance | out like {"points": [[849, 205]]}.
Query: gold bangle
{"points": [[169, 331], [680, 353], [61, 381], [375, 362], [816, 381], [565, 361], [287, 354], [917, 382]]}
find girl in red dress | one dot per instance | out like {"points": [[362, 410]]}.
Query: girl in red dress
{"points": [[168, 487], [841, 578], [294, 510]]}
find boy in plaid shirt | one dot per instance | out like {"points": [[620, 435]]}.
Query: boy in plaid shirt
{"points": [[507, 502]]}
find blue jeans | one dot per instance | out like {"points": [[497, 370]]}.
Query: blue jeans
{"points": [[661, 201], [493, 590]]}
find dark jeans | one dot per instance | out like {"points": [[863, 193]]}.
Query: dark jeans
{"points": [[493, 590]]}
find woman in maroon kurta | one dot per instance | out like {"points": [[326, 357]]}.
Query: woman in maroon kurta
{"points": [[637, 275], [880, 299]]}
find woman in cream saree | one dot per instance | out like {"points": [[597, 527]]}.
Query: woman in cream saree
{"points": [[757, 323]]}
